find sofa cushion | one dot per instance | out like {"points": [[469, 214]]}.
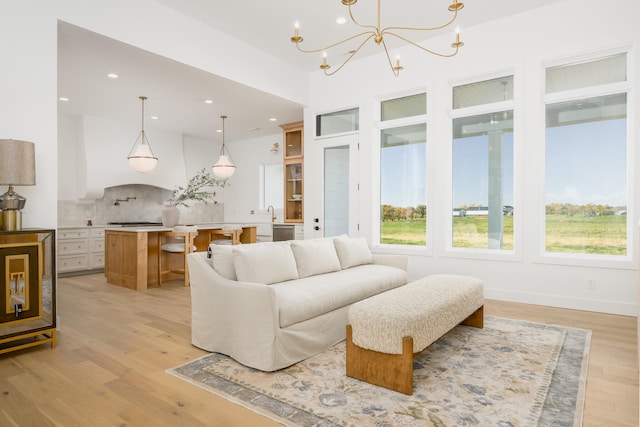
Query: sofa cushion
{"points": [[222, 261], [315, 256], [352, 251], [264, 263], [309, 297]]}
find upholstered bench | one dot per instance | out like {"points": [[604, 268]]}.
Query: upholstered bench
{"points": [[387, 330]]}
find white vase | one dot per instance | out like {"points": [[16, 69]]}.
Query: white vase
{"points": [[170, 216]]}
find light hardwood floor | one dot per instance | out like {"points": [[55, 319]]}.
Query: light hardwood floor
{"points": [[114, 345]]}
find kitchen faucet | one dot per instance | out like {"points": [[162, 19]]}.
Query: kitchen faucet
{"points": [[273, 213], [117, 202]]}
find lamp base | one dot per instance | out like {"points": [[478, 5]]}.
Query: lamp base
{"points": [[11, 220]]}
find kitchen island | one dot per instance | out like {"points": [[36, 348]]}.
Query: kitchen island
{"points": [[131, 253]]}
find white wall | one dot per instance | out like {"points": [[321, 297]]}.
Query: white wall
{"points": [[521, 45], [28, 88], [242, 197], [28, 75]]}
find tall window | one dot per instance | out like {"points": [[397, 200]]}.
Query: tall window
{"points": [[482, 156], [586, 157], [403, 171]]}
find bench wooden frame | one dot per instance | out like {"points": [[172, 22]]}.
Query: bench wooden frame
{"points": [[392, 371]]}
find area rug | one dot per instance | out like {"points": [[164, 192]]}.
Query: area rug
{"points": [[511, 373]]}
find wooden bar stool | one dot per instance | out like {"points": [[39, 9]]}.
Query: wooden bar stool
{"points": [[231, 233], [171, 244]]}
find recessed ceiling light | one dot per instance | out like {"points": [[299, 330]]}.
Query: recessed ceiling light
{"points": [[112, 75], [219, 130], [154, 117], [273, 119], [63, 99], [341, 20], [208, 101]]}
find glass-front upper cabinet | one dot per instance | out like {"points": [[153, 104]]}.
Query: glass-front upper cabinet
{"points": [[293, 140], [293, 172]]}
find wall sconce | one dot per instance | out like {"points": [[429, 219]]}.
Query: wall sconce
{"points": [[276, 147], [17, 167]]}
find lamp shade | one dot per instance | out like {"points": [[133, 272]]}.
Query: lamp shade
{"points": [[142, 159], [17, 162], [223, 168]]}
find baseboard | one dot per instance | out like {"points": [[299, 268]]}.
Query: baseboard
{"points": [[586, 304]]}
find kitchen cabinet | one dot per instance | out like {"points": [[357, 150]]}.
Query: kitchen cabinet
{"points": [[27, 289], [80, 250], [293, 153]]}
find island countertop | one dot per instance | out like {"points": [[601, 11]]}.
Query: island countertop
{"points": [[157, 228], [131, 253]]}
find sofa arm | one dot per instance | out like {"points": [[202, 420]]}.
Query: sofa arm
{"points": [[400, 261], [230, 317]]}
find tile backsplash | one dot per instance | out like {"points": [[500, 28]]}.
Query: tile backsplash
{"points": [[146, 206]]}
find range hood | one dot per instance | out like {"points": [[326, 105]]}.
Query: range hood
{"points": [[103, 146]]}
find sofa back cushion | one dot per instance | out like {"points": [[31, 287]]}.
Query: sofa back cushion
{"points": [[222, 261], [265, 263], [315, 256], [352, 251]]}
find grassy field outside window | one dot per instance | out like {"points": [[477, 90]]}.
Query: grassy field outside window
{"points": [[598, 234]]}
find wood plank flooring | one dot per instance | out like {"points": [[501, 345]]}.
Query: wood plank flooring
{"points": [[114, 345]]}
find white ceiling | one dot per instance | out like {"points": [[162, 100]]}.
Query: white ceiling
{"points": [[177, 92]]}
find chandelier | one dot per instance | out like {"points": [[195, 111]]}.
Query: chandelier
{"points": [[377, 33]]}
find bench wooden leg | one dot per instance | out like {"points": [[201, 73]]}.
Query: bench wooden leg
{"points": [[392, 371], [476, 319]]}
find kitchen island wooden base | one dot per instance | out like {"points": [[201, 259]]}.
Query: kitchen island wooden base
{"points": [[131, 254]]}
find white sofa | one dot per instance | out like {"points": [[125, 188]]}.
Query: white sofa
{"points": [[270, 305]]}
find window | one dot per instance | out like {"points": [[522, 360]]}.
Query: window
{"points": [[337, 122], [482, 154], [403, 171], [586, 158]]}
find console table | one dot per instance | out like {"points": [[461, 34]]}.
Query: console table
{"points": [[27, 289]]}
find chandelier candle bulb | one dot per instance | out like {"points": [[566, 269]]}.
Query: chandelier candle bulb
{"points": [[324, 65], [457, 44], [296, 37]]}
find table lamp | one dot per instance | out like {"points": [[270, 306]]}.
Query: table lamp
{"points": [[17, 167]]}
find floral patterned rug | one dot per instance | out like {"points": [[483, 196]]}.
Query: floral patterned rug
{"points": [[511, 373]]}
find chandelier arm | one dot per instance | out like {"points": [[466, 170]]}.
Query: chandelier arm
{"points": [[349, 58], [371, 34], [395, 71], [375, 29], [444, 55], [439, 27]]}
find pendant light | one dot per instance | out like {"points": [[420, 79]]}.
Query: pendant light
{"points": [[141, 158], [224, 167]]}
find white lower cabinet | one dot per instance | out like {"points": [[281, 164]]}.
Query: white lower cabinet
{"points": [[80, 250]]}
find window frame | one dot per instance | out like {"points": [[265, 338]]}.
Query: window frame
{"points": [[515, 254], [376, 199], [579, 259]]}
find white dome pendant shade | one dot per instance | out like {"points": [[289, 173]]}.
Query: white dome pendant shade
{"points": [[224, 167], [141, 158]]}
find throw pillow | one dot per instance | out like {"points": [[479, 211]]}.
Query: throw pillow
{"points": [[352, 251], [315, 256], [264, 263], [222, 261]]}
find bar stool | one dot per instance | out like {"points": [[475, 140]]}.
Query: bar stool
{"points": [[179, 241], [229, 232]]}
